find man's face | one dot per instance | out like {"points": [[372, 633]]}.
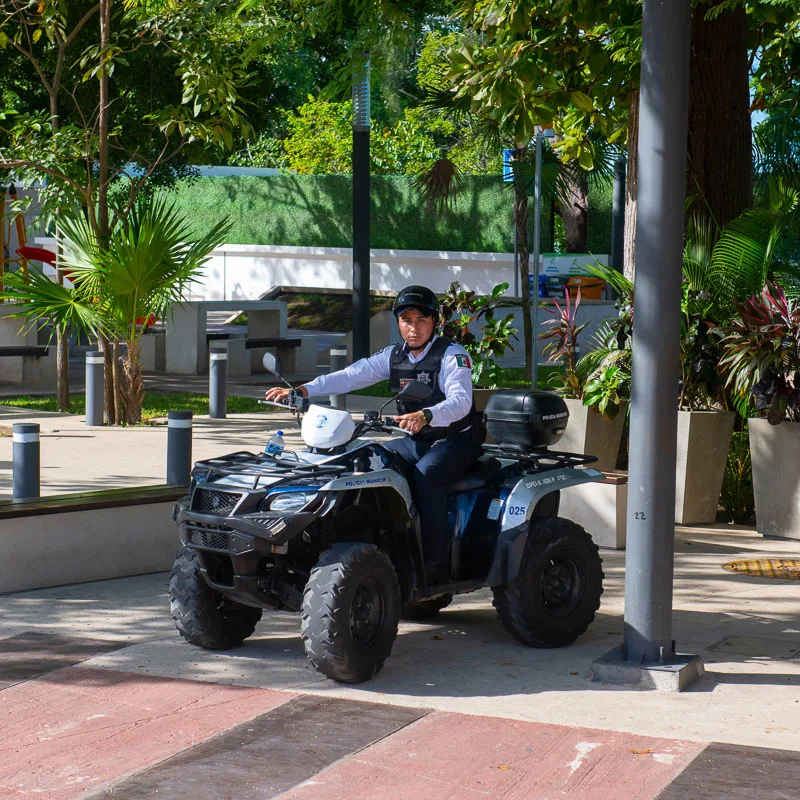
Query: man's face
{"points": [[415, 328]]}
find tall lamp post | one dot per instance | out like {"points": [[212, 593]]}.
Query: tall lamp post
{"points": [[647, 656], [541, 133], [361, 198]]}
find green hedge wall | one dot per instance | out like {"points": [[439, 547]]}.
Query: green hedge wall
{"points": [[316, 211]]}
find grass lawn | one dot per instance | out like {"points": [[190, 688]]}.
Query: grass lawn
{"points": [[156, 404]]}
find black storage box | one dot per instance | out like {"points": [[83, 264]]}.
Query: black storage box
{"points": [[526, 420]]}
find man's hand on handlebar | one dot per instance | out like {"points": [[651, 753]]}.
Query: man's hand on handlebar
{"points": [[278, 394], [413, 422]]}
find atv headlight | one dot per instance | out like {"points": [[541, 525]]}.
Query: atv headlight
{"points": [[290, 501]]}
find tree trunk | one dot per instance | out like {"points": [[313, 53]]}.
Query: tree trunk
{"points": [[110, 409], [62, 371], [119, 401], [133, 383], [521, 223], [574, 209], [103, 124], [631, 186], [720, 157]]}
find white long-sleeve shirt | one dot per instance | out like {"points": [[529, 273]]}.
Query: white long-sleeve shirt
{"points": [[455, 380]]}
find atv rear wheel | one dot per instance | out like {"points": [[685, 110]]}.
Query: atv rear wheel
{"points": [[351, 607], [202, 616], [425, 609], [553, 599]]}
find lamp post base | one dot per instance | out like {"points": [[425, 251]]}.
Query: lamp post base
{"points": [[673, 675]]}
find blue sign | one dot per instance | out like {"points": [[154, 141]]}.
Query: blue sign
{"points": [[508, 168]]}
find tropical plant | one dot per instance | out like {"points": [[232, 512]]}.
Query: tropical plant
{"points": [[601, 378], [144, 268], [761, 353], [562, 346], [461, 312]]}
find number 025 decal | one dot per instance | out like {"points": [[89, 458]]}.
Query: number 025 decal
{"points": [[516, 511]]}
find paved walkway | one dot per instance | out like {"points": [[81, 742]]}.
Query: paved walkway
{"points": [[101, 697]]}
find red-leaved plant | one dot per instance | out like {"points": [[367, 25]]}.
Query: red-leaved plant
{"points": [[562, 345], [761, 353]]}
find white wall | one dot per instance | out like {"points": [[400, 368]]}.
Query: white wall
{"points": [[246, 272]]}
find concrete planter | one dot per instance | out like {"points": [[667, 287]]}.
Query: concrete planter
{"points": [[588, 432], [154, 351], [703, 441], [775, 451], [481, 398]]}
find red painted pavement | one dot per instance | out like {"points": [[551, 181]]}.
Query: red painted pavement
{"points": [[458, 757], [76, 729]]}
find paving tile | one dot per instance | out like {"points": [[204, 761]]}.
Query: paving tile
{"points": [[30, 654], [268, 755], [725, 771], [450, 756], [69, 732]]}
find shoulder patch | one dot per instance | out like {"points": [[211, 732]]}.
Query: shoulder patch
{"points": [[463, 361]]}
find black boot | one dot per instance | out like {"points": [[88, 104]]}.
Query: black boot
{"points": [[437, 572]]}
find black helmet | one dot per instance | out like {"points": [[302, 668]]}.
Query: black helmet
{"points": [[420, 297]]}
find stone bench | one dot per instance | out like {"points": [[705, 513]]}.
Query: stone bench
{"points": [[600, 507], [89, 536]]}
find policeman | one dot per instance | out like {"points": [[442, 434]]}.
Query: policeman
{"points": [[446, 433]]}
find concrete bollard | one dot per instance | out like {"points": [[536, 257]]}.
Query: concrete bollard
{"points": [[338, 361], [179, 447], [95, 400], [218, 383], [25, 456]]}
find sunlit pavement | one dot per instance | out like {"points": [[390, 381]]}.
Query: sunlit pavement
{"points": [[102, 697]]}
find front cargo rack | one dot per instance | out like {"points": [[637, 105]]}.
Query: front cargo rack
{"points": [[539, 459], [261, 465]]}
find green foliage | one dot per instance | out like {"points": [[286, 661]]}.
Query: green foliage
{"points": [[567, 64], [737, 485], [146, 267], [602, 377], [604, 389], [461, 309], [156, 404], [562, 346], [761, 354], [315, 211]]}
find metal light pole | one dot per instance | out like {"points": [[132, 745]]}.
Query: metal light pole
{"points": [[361, 197], [618, 214], [647, 656], [541, 133]]}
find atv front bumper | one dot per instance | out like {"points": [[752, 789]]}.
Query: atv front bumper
{"points": [[245, 540]]}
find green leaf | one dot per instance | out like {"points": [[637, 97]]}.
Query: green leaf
{"points": [[582, 101]]}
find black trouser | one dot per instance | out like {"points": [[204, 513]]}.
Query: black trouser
{"points": [[434, 465]]}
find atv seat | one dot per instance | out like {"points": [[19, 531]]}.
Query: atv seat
{"points": [[477, 475]]}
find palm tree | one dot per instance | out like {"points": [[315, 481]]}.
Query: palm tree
{"points": [[149, 261]]}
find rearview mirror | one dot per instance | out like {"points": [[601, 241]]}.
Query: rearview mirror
{"points": [[416, 390], [272, 364]]}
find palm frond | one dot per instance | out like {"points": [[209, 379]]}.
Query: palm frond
{"points": [[439, 185], [41, 300]]}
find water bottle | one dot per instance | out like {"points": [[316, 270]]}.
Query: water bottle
{"points": [[275, 445]]}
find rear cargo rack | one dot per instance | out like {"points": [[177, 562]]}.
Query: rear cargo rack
{"points": [[261, 465], [539, 459]]}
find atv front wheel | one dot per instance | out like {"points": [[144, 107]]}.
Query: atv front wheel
{"points": [[553, 599], [202, 616], [425, 609], [351, 607]]}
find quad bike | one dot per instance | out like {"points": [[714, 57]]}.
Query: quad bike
{"points": [[332, 532]]}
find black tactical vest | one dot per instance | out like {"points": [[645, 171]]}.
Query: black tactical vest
{"points": [[426, 371]]}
